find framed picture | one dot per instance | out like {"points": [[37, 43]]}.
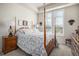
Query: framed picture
{"points": [[22, 22], [25, 23]]}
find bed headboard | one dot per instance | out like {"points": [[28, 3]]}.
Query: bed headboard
{"points": [[23, 23], [22, 28]]}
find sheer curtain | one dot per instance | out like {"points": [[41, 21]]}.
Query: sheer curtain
{"points": [[53, 18], [49, 22], [59, 21]]}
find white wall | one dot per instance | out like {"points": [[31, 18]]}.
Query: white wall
{"points": [[70, 12], [8, 12]]}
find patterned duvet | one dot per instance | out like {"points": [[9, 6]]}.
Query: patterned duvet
{"points": [[31, 42]]}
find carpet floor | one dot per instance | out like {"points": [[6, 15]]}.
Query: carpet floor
{"points": [[61, 50]]}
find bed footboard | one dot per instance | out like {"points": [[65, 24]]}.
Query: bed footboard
{"points": [[50, 46]]}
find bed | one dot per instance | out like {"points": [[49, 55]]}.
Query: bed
{"points": [[32, 42]]}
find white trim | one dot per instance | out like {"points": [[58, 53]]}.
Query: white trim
{"points": [[58, 7]]}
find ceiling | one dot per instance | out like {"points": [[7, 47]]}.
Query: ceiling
{"points": [[34, 6], [39, 6]]}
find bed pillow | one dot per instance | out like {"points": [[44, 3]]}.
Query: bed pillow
{"points": [[36, 30]]}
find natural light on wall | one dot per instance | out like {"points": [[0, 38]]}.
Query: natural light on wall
{"points": [[59, 15], [56, 18]]}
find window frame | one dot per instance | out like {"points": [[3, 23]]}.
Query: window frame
{"points": [[59, 34]]}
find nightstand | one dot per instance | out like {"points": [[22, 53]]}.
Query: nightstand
{"points": [[9, 44]]}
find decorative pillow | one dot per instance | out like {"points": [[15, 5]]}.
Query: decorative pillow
{"points": [[21, 31]]}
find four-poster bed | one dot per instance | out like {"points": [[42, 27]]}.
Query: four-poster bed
{"points": [[35, 42], [44, 29], [52, 43]]}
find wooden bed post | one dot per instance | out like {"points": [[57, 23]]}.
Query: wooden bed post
{"points": [[44, 28], [15, 25], [55, 34]]}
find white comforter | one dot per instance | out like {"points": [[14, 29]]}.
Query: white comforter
{"points": [[31, 42]]}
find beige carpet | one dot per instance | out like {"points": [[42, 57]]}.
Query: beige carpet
{"points": [[16, 52], [62, 50]]}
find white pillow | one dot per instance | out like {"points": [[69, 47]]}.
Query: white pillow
{"points": [[36, 30]]}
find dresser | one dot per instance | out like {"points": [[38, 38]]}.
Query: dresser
{"points": [[9, 43]]}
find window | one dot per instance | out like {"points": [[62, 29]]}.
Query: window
{"points": [[54, 18], [49, 22], [59, 16]]}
